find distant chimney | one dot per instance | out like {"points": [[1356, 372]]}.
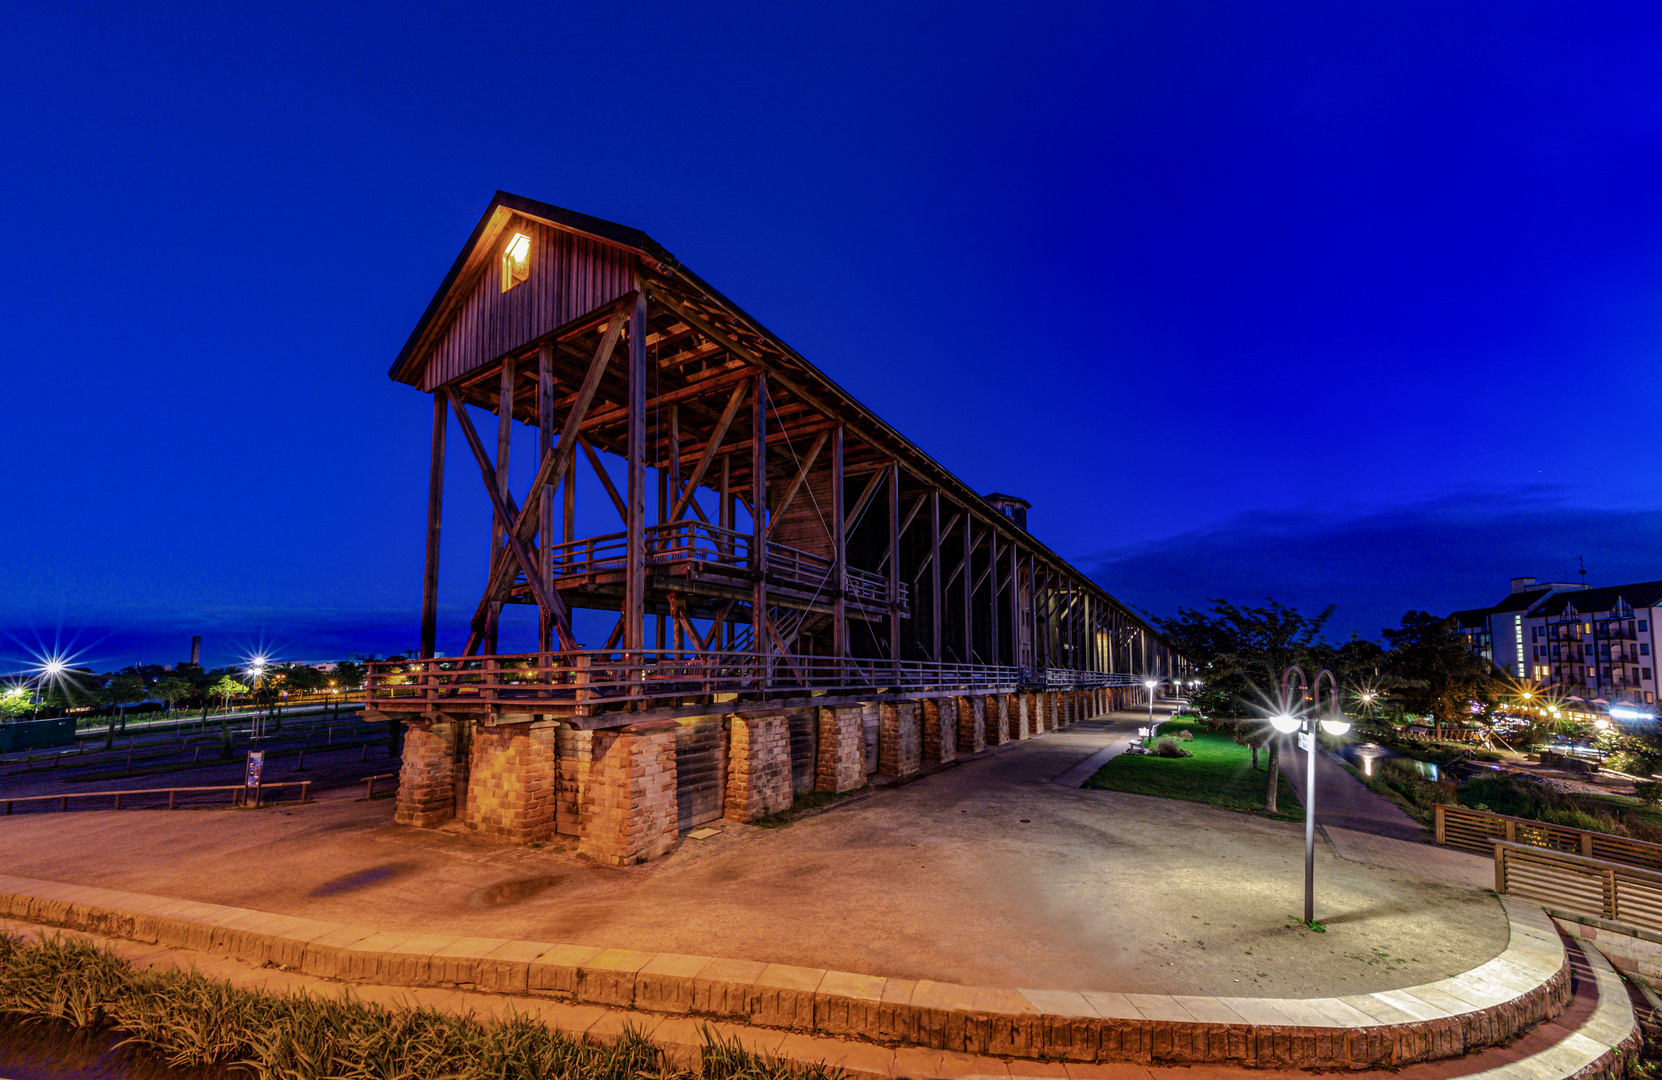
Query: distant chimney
{"points": [[1011, 507], [1522, 584], [196, 650]]}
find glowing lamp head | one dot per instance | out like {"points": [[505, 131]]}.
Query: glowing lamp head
{"points": [[1335, 727], [1150, 683], [1284, 723], [53, 668], [1601, 723]]}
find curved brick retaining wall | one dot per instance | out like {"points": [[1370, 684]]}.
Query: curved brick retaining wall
{"points": [[1526, 984]]}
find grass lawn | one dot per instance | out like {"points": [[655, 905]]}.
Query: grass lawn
{"points": [[1220, 773]]}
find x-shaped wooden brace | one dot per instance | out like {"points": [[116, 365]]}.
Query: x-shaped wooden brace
{"points": [[523, 525]]}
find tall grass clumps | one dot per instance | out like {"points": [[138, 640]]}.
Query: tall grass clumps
{"points": [[189, 1020]]}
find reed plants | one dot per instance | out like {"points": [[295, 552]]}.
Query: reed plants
{"points": [[189, 1020]]}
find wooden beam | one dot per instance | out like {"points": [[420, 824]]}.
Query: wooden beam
{"points": [[504, 444], [894, 560], [545, 512], [634, 589], [502, 506], [839, 548], [797, 481], [759, 629], [605, 479], [859, 508], [727, 413], [906, 523], [934, 561], [435, 517]]}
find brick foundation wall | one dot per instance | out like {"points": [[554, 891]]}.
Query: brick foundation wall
{"points": [[1036, 714], [512, 781], [1021, 722], [575, 754], [841, 764], [758, 767], [629, 802], [995, 720], [972, 725], [940, 730], [426, 778], [899, 739]]}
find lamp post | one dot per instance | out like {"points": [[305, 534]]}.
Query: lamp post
{"points": [[1287, 723], [1151, 684]]}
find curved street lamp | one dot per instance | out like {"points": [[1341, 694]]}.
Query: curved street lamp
{"points": [[1334, 723], [1151, 684]]}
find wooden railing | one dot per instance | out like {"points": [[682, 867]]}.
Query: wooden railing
{"points": [[1609, 890], [588, 677], [717, 548], [239, 794], [1476, 830]]}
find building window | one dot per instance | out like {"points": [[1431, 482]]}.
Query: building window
{"points": [[516, 261], [1645, 674], [1644, 648], [1643, 626]]}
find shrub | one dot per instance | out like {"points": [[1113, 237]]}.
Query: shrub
{"points": [[1186, 735], [1168, 748], [1648, 791], [1626, 761]]}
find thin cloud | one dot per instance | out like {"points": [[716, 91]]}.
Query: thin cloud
{"points": [[1456, 550]]}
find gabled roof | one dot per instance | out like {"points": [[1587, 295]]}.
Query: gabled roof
{"points": [[1519, 601], [1473, 617], [502, 205], [1639, 594]]}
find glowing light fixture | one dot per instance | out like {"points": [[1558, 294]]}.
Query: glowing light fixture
{"points": [[1284, 723], [516, 261], [53, 668], [1337, 726]]}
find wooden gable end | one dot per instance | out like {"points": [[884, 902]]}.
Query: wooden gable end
{"points": [[570, 275]]}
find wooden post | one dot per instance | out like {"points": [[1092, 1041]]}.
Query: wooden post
{"points": [[894, 560], [545, 510], [935, 575], [758, 526], [839, 548], [435, 514], [504, 440], [993, 656], [634, 589], [1015, 606], [968, 588]]}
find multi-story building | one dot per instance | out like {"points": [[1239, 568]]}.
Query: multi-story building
{"points": [[1595, 644]]}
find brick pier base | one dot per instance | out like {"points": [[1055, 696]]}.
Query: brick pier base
{"points": [[629, 798], [940, 730], [899, 740], [758, 767], [512, 783], [840, 764], [426, 779], [972, 725]]}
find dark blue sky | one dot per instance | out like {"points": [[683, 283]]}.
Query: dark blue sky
{"points": [[1337, 303]]}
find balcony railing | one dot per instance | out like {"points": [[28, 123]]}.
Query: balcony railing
{"points": [[716, 549], [594, 677]]}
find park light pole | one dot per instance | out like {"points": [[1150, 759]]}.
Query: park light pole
{"points": [[1151, 684], [50, 670], [1287, 722]]}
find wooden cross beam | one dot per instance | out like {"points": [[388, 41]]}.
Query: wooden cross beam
{"points": [[859, 507], [605, 479], [905, 523], [797, 481], [549, 602], [685, 496]]}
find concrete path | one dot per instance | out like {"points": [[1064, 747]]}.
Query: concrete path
{"points": [[985, 873], [1122, 732]]}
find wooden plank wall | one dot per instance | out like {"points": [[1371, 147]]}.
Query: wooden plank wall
{"points": [[570, 275]]}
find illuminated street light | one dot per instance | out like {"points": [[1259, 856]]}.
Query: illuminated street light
{"points": [[1151, 684], [1334, 723]]}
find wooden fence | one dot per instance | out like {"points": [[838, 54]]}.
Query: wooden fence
{"points": [[1477, 830], [1610, 890], [239, 795]]}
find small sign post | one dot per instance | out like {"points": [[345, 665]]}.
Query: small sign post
{"points": [[256, 765]]}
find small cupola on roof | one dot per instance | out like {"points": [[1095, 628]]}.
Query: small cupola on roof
{"points": [[1011, 507]]}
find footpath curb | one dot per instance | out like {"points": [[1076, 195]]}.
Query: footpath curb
{"points": [[1523, 986]]}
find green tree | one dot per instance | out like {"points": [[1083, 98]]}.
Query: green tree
{"points": [[1433, 672], [349, 675], [172, 689], [226, 689], [125, 688], [302, 679], [16, 702], [1241, 651]]}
